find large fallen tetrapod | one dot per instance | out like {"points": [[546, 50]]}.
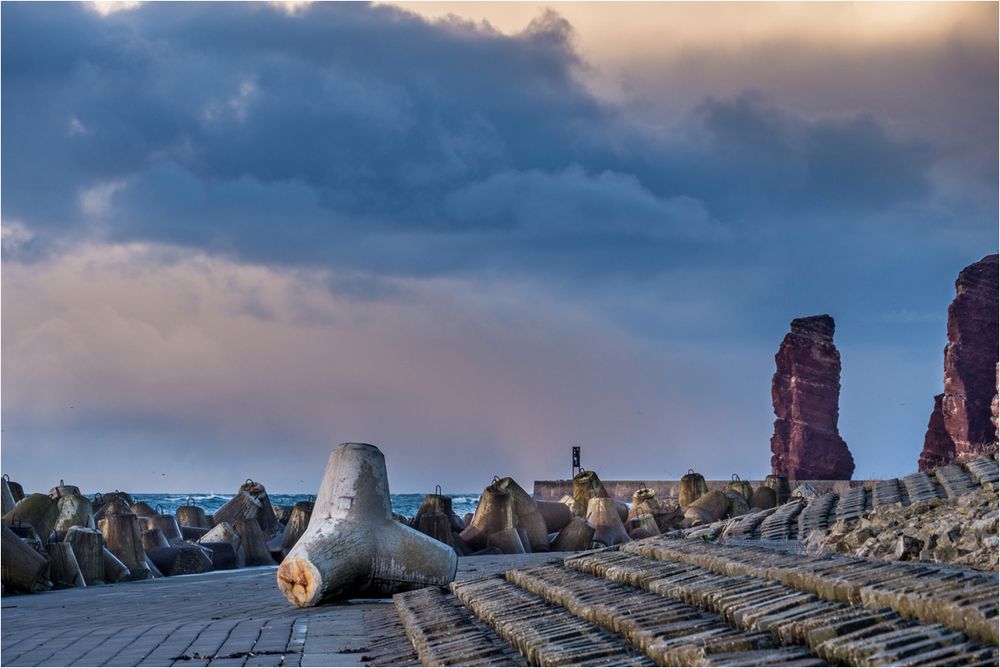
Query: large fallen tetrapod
{"points": [[353, 547]]}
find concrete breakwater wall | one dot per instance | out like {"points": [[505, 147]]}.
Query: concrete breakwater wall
{"points": [[553, 490]]}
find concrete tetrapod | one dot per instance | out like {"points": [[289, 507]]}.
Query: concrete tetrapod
{"points": [[353, 547], [165, 523], [7, 494], [738, 504], [123, 538], [708, 508], [282, 512], [527, 515], [763, 498], [693, 485], [191, 515], [62, 489], [586, 486], [494, 513], [266, 518], [64, 570], [74, 511], [114, 569], [440, 503], [741, 486], [38, 510], [88, 545], [112, 504], [575, 536], [643, 494], [142, 509], [225, 533], [603, 515], [556, 515], [298, 521], [642, 526], [16, 490], [779, 484], [22, 568]]}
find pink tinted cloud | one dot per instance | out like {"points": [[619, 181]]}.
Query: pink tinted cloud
{"points": [[209, 371]]}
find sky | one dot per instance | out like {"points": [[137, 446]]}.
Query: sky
{"points": [[476, 234]]}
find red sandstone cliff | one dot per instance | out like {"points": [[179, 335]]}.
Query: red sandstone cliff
{"points": [[995, 408], [961, 423], [805, 392]]}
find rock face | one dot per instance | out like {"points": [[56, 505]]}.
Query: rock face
{"points": [[805, 391], [961, 423], [995, 408]]}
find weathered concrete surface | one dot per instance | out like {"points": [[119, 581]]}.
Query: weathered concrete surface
{"points": [[960, 599], [352, 547], [673, 602], [231, 618]]}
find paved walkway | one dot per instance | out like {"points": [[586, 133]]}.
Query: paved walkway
{"points": [[226, 618]]}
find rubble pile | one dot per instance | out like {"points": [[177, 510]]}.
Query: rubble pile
{"points": [[962, 531]]}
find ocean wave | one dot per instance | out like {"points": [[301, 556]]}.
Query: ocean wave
{"points": [[402, 504]]}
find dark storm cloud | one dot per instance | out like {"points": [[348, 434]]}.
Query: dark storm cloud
{"points": [[366, 137], [848, 164]]}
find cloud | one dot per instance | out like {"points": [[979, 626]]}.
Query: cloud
{"points": [[571, 202], [76, 127], [234, 107], [402, 146], [292, 7], [108, 7], [96, 200], [846, 164], [14, 234], [233, 226], [221, 361]]}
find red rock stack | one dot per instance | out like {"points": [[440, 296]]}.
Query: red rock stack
{"points": [[961, 423], [805, 392]]}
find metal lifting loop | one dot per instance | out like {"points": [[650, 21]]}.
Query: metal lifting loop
{"points": [[437, 490], [690, 471], [736, 478], [190, 501], [6, 476], [159, 509], [249, 481], [98, 498], [496, 479]]}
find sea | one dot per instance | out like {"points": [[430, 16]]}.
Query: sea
{"points": [[403, 504]]}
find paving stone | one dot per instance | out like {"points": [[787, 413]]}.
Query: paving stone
{"points": [[154, 622]]}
